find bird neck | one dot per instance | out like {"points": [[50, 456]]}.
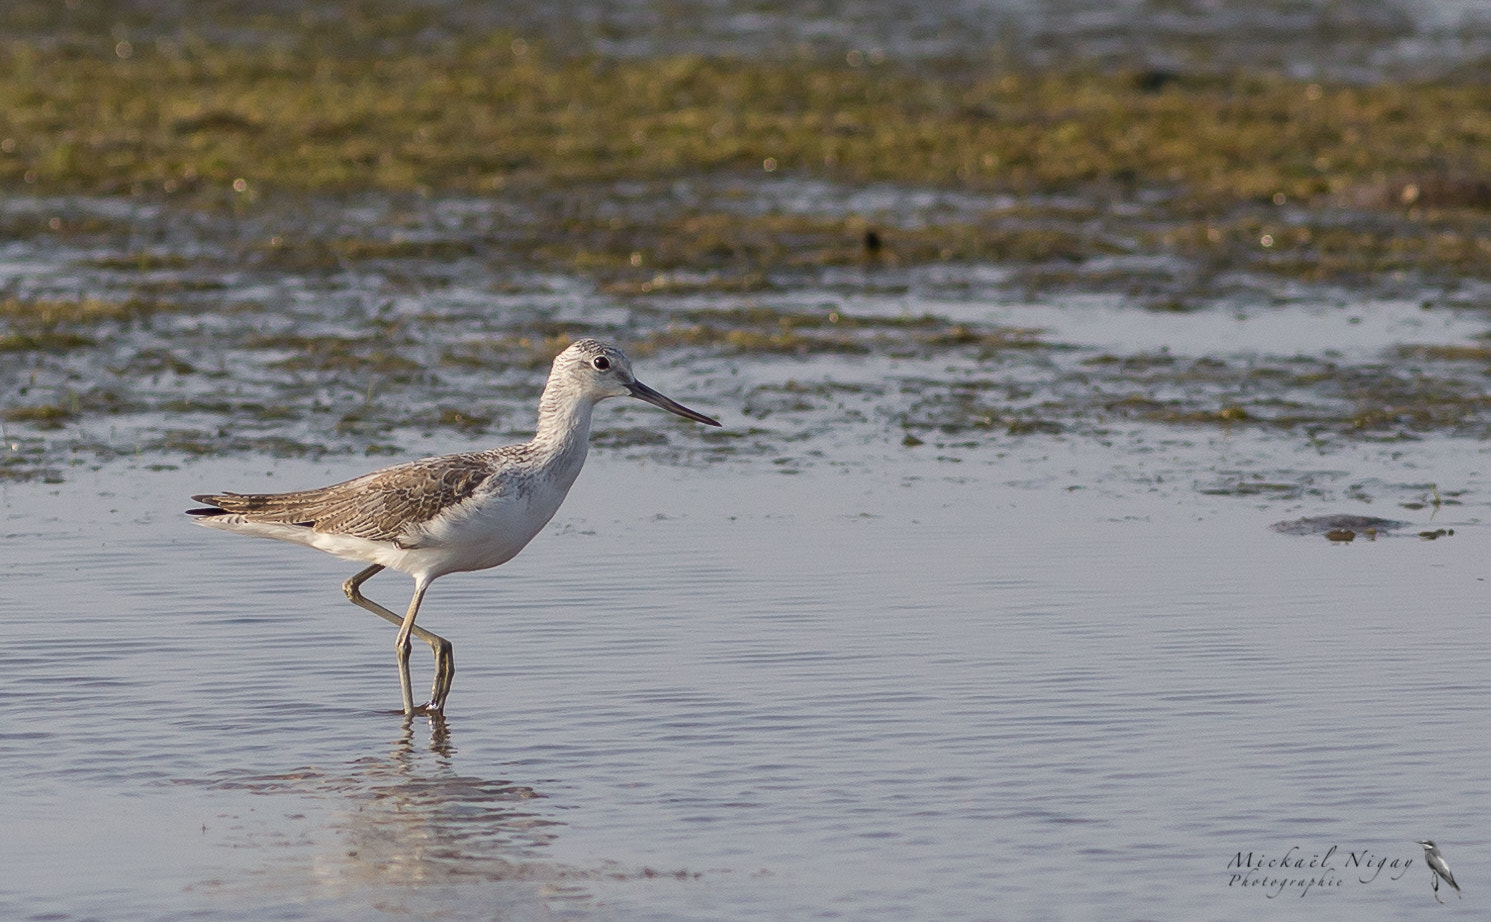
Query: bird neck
{"points": [[563, 428]]}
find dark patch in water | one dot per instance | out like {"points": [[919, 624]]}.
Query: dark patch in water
{"points": [[1339, 527]]}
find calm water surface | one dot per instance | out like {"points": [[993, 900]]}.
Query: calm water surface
{"points": [[906, 689]]}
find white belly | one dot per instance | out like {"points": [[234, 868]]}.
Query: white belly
{"points": [[482, 535]]}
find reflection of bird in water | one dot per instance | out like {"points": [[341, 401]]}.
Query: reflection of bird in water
{"points": [[439, 737], [409, 819], [451, 513], [417, 810], [1438, 867]]}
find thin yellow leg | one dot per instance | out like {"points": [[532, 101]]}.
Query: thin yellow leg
{"points": [[445, 659]]}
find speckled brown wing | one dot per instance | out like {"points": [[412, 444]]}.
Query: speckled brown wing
{"points": [[381, 506]]}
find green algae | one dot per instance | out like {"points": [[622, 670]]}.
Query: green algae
{"points": [[42, 416], [336, 353], [1238, 170], [487, 112], [43, 341], [49, 312], [694, 251], [770, 331]]}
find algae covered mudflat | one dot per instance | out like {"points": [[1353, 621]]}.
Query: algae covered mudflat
{"points": [[478, 112], [1321, 177], [322, 229], [305, 105]]}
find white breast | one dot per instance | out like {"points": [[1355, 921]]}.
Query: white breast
{"points": [[490, 528]]}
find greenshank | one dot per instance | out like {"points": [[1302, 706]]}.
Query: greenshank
{"points": [[451, 513]]}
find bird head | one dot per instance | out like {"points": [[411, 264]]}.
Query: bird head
{"points": [[599, 371]]}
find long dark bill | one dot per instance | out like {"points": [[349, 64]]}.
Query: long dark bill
{"points": [[643, 392]]}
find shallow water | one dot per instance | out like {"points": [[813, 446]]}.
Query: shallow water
{"points": [[923, 690], [977, 616]]}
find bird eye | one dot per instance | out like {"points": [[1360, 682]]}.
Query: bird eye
{"points": [[601, 363]]}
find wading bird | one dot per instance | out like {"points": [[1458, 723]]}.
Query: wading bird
{"points": [[451, 513]]}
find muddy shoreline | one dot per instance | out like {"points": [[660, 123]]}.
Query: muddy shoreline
{"points": [[307, 241]]}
